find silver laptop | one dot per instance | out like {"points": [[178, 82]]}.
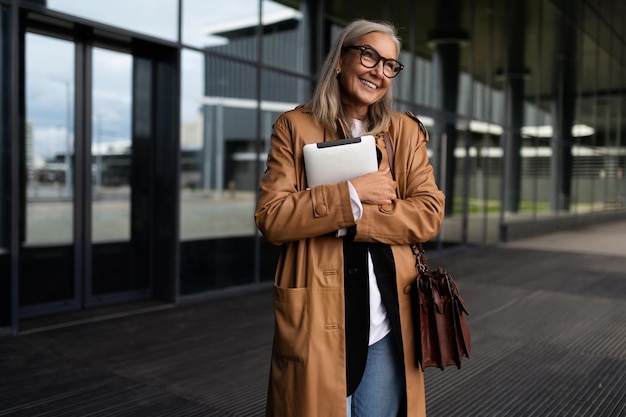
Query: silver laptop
{"points": [[338, 160]]}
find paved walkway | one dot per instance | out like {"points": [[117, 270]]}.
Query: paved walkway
{"points": [[548, 339], [602, 239]]}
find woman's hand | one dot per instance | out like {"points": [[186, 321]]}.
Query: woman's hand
{"points": [[375, 188]]}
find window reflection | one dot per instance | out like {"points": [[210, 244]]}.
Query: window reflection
{"points": [[217, 189], [111, 145], [227, 27], [285, 39], [219, 136], [49, 140], [142, 16], [217, 139]]}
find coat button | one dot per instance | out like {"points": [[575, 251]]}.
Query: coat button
{"points": [[321, 210], [352, 270]]}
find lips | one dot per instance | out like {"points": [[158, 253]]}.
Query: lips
{"points": [[369, 84]]}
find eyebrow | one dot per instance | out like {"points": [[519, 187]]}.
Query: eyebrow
{"points": [[370, 46]]}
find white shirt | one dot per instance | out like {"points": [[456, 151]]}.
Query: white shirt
{"points": [[379, 325]]}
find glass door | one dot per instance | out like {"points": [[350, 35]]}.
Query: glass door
{"points": [[47, 254], [86, 198], [119, 232]]}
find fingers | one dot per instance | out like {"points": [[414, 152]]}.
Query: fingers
{"points": [[376, 188]]}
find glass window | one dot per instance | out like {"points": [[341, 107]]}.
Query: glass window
{"points": [[225, 27], [527, 114], [279, 93], [49, 140], [111, 146], [424, 86], [606, 158], [586, 159], [556, 61], [143, 16], [481, 95], [535, 162], [218, 140], [286, 40], [414, 84], [218, 178]]}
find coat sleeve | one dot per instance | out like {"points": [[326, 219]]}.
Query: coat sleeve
{"points": [[286, 209], [417, 214]]}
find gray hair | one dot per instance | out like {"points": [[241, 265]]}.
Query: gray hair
{"points": [[325, 103]]}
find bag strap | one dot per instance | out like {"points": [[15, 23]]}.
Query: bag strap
{"points": [[420, 258], [390, 153]]}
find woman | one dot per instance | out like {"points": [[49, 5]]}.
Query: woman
{"points": [[343, 342]]}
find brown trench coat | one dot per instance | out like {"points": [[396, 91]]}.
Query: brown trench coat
{"points": [[307, 374]]}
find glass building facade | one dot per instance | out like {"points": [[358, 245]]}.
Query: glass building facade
{"points": [[133, 133]]}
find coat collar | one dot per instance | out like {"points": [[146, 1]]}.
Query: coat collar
{"points": [[342, 131]]}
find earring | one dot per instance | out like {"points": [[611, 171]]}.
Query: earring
{"points": [[337, 72]]}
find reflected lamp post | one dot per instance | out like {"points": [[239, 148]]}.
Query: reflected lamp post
{"points": [[98, 151], [68, 123]]}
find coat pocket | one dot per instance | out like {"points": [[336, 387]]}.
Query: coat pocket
{"points": [[291, 329]]}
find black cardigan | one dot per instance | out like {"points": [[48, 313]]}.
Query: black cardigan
{"points": [[356, 294]]}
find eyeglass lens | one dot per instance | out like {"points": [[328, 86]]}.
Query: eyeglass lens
{"points": [[370, 58]]}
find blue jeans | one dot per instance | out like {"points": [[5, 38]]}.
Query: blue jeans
{"points": [[382, 388]]}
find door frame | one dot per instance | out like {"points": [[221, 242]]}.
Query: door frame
{"points": [[155, 121]]}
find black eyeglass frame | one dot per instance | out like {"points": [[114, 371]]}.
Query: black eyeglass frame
{"points": [[363, 48]]}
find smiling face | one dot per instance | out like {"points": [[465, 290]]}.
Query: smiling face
{"points": [[362, 86]]}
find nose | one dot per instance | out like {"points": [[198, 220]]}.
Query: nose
{"points": [[379, 68]]}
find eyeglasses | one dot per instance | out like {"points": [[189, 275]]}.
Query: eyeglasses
{"points": [[370, 58]]}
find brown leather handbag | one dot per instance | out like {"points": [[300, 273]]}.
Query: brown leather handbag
{"points": [[438, 308], [439, 316]]}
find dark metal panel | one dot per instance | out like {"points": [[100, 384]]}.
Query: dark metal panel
{"points": [[142, 171], [215, 264], [166, 175], [5, 164], [82, 177], [15, 130], [156, 132]]}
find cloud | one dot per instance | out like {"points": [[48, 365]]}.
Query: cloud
{"points": [[48, 141], [136, 15]]}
